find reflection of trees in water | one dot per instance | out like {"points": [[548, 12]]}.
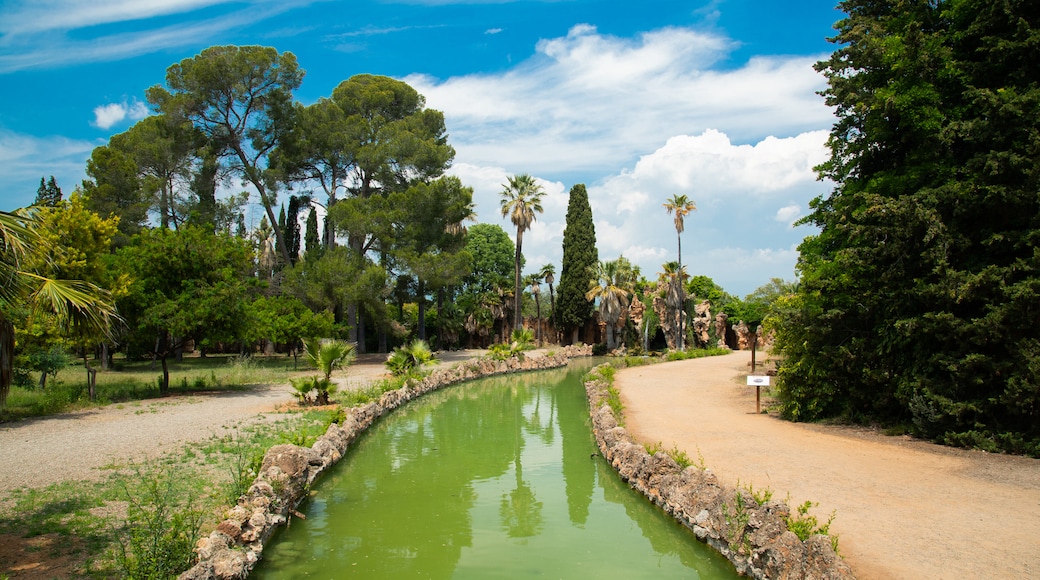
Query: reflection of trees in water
{"points": [[572, 411], [520, 510], [411, 480], [652, 521]]}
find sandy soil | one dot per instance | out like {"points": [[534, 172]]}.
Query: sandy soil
{"points": [[905, 508]]}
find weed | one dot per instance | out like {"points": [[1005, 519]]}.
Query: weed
{"points": [[162, 526], [653, 448], [680, 457], [804, 525], [761, 496], [736, 524]]}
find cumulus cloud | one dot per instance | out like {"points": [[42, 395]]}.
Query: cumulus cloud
{"points": [[788, 214], [591, 101], [646, 118], [107, 116]]}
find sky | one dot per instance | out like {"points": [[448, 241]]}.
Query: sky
{"points": [[713, 99]]}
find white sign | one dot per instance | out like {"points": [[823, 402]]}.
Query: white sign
{"points": [[759, 381]]}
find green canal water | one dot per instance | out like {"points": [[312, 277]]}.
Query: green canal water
{"points": [[497, 478]]}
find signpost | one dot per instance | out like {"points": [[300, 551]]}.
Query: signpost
{"points": [[759, 381]]}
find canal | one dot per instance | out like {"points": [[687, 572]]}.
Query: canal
{"points": [[495, 478]]}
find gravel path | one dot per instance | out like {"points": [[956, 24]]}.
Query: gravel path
{"points": [[77, 446], [905, 508]]}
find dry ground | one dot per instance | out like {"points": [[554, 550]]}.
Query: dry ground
{"points": [[905, 508]]}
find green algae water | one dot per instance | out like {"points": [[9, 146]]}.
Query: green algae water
{"points": [[496, 478]]}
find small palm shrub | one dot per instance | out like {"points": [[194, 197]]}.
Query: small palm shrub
{"points": [[410, 358], [327, 355]]}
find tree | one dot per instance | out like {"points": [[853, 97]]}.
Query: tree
{"points": [[579, 259], [48, 194], [75, 245], [534, 282], [77, 305], [187, 284], [115, 189], [548, 273], [521, 200], [390, 141], [681, 206], [613, 284], [292, 229], [673, 276], [492, 253], [424, 240], [240, 98], [286, 320], [162, 148], [918, 298], [312, 243]]}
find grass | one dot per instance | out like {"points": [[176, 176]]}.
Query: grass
{"points": [[138, 380], [156, 503]]}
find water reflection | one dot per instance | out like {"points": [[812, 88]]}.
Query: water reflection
{"points": [[493, 478]]}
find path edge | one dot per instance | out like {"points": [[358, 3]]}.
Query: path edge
{"points": [[754, 537], [232, 550]]}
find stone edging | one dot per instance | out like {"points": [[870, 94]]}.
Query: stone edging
{"points": [[287, 472], [754, 537]]}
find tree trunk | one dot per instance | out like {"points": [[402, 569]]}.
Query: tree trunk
{"points": [[517, 314], [682, 300], [421, 295], [164, 388], [360, 329], [538, 319]]}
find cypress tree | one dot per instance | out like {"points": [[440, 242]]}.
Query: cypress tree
{"points": [[292, 229], [48, 194], [312, 243], [579, 258]]}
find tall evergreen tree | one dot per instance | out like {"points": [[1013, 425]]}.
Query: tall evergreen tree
{"points": [[919, 296], [48, 194], [312, 243], [292, 229], [579, 261]]}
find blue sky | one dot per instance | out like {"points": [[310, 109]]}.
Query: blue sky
{"points": [[713, 99]]}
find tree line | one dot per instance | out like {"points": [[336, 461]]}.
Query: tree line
{"points": [[157, 243]]}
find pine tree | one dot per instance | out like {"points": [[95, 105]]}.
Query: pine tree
{"points": [[49, 194], [579, 260]]}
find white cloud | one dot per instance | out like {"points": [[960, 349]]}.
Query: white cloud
{"points": [[24, 159], [36, 34], [492, 31], [589, 101], [106, 116], [788, 214]]}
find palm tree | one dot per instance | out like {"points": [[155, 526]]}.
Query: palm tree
{"points": [[536, 291], [612, 287], [77, 305], [681, 205], [547, 273], [521, 200], [673, 277]]}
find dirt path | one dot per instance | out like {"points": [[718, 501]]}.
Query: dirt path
{"points": [[84, 442], [905, 509]]}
